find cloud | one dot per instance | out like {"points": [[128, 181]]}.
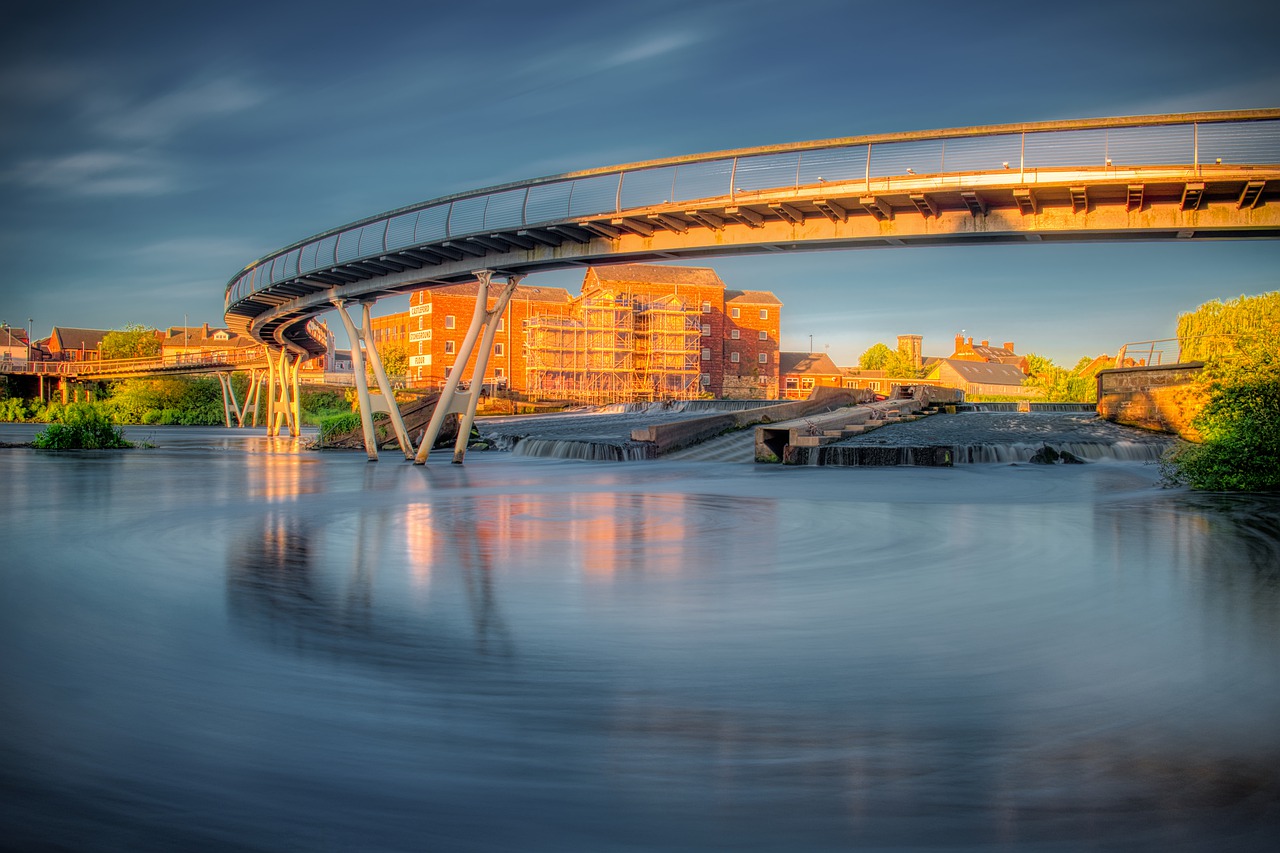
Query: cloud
{"points": [[651, 48], [96, 173], [198, 251], [39, 82], [162, 117]]}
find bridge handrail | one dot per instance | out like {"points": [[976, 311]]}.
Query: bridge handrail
{"points": [[1153, 353], [1243, 137], [229, 358]]}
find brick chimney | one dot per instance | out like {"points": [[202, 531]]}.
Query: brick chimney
{"points": [[959, 342], [205, 330], [1009, 346], [986, 343]]}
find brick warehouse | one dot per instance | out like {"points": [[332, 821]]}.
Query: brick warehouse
{"points": [[732, 345]]}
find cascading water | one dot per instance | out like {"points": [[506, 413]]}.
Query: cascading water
{"points": [[593, 451], [992, 438]]}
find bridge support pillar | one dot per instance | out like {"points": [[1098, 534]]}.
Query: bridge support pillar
{"points": [[482, 362], [230, 405], [450, 398], [364, 336], [283, 393]]}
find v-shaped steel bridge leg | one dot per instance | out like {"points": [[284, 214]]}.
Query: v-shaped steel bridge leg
{"points": [[465, 402]]}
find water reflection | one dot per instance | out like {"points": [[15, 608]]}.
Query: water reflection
{"points": [[335, 655]]}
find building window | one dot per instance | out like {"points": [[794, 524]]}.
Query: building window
{"points": [[706, 353], [793, 384], [764, 336], [734, 312], [502, 324], [705, 379], [499, 350], [706, 330], [764, 358], [733, 356], [764, 313], [448, 347], [706, 308], [449, 321], [499, 373], [875, 386], [806, 383], [734, 334]]}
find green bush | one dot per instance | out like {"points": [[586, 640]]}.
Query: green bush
{"points": [[13, 410], [82, 426], [193, 401], [318, 405], [334, 425], [1239, 427]]}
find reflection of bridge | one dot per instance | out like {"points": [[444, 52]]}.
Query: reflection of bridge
{"points": [[1171, 177]]}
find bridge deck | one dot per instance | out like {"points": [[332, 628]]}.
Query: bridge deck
{"points": [[1196, 176]]}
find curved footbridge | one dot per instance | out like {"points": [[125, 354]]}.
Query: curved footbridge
{"points": [[1191, 176]]}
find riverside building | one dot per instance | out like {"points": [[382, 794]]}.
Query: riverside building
{"points": [[636, 332]]}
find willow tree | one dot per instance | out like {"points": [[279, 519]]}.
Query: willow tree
{"points": [[1247, 324], [1239, 341]]}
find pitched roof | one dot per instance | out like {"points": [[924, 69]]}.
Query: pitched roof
{"points": [[67, 338], [752, 297], [656, 274], [807, 362], [996, 353], [193, 336], [984, 372]]}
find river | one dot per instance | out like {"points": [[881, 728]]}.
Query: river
{"points": [[224, 642]]}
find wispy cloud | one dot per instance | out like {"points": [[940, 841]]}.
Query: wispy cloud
{"points": [[173, 112], [198, 251], [39, 82], [96, 173], [651, 48], [112, 145]]}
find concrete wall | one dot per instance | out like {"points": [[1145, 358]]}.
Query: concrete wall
{"points": [[673, 436], [1163, 398]]}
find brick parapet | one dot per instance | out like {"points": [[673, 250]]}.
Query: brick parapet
{"points": [[1161, 398]]}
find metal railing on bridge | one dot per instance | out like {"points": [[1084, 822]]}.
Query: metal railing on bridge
{"points": [[1178, 350], [1094, 144], [172, 363]]}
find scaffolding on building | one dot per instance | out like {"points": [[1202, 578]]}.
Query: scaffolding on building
{"points": [[613, 350], [667, 343]]}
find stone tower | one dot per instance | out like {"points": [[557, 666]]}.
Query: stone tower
{"points": [[911, 346]]}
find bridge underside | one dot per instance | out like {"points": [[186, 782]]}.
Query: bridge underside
{"points": [[1139, 204]]}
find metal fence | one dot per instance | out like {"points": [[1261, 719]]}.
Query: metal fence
{"points": [[545, 201]]}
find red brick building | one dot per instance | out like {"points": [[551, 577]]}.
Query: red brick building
{"points": [[804, 371], [433, 328], [732, 335]]}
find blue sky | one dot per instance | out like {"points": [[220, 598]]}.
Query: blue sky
{"points": [[148, 151]]}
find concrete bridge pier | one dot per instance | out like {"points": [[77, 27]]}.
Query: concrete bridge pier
{"points": [[451, 399]]}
